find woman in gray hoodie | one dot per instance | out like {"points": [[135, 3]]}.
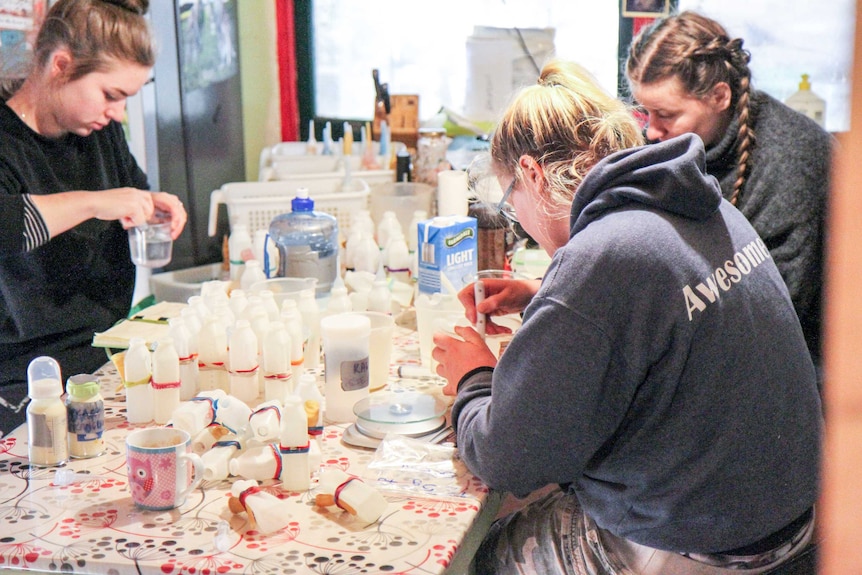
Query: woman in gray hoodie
{"points": [[660, 375]]}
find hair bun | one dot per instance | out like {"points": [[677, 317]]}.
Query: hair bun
{"points": [[138, 7]]}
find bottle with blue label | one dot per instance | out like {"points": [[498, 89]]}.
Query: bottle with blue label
{"points": [[307, 242]]}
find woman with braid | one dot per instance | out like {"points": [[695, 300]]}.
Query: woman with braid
{"points": [[772, 162], [68, 187]]}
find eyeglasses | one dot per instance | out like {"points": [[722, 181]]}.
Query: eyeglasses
{"points": [[504, 208]]}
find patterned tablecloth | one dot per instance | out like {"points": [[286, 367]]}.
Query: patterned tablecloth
{"points": [[93, 527]]}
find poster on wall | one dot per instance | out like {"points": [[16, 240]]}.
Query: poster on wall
{"points": [[645, 8], [19, 24]]}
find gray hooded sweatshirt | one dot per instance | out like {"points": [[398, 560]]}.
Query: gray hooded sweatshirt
{"points": [[660, 373]]}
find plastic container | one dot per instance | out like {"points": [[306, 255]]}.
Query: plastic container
{"points": [[294, 445], [350, 494], [180, 285], [137, 374], [240, 249], [345, 350], [309, 393], [85, 410], [242, 350], [217, 459], [307, 242], [275, 362], [255, 204], [165, 380], [151, 243], [46, 414], [267, 513], [285, 288], [261, 463], [402, 198]]}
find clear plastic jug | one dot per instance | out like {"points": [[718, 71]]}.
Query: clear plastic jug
{"points": [[307, 242]]}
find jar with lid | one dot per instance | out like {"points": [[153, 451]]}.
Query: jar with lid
{"points": [[431, 155], [46, 413], [86, 413], [307, 242]]}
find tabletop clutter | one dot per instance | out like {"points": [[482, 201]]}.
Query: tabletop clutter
{"points": [[229, 389]]}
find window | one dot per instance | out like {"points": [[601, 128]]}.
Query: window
{"points": [[421, 47]]}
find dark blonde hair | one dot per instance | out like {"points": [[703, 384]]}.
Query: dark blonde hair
{"points": [[94, 31], [567, 123], [699, 52]]}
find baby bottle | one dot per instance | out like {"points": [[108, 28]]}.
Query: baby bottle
{"points": [[46, 413]]}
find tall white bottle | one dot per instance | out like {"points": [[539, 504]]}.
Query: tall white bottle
{"points": [[138, 371], [312, 399], [240, 249], [165, 380], [293, 321], [275, 362], [243, 362], [188, 358], [212, 355], [345, 348], [806, 102], [310, 312], [294, 445], [252, 274], [265, 421]]}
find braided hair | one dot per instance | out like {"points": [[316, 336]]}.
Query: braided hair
{"points": [[699, 52]]}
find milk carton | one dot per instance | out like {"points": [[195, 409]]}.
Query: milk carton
{"points": [[447, 252]]}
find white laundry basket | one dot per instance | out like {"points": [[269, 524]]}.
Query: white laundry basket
{"points": [[256, 203]]}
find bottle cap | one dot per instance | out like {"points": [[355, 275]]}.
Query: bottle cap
{"points": [[302, 203], [82, 386], [43, 377]]}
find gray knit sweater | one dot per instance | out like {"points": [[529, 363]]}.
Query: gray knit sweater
{"points": [[784, 197]]}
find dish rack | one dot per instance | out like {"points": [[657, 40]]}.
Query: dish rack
{"points": [[256, 203]]}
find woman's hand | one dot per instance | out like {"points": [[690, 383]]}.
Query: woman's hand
{"points": [[455, 357], [502, 297], [171, 204]]}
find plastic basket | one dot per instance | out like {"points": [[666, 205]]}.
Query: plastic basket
{"points": [[256, 203]]}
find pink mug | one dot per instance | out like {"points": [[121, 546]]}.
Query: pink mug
{"points": [[161, 467]]}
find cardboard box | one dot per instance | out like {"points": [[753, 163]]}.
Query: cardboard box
{"points": [[447, 252]]}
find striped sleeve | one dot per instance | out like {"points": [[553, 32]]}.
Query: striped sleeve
{"points": [[35, 230]]}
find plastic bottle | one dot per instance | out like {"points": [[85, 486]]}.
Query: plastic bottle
{"points": [[294, 445], [265, 252], [217, 459], [188, 358], [194, 415], [86, 412], [266, 512], [267, 297], [207, 437], [243, 362], [47, 423], [238, 300], [258, 319], [240, 249], [339, 300], [232, 413], [398, 259], [293, 321], [165, 380], [265, 421], [387, 227], [212, 355], [350, 494], [345, 347], [380, 298], [366, 258], [312, 399], [808, 103], [138, 371], [275, 362], [413, 240], [307, 242], [252, 274], [260, 463], [310, 313]]}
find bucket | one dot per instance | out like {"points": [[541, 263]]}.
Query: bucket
{"points": [[403, 198]]}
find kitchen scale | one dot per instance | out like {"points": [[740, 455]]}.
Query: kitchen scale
{"points": [[413, 414]]}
